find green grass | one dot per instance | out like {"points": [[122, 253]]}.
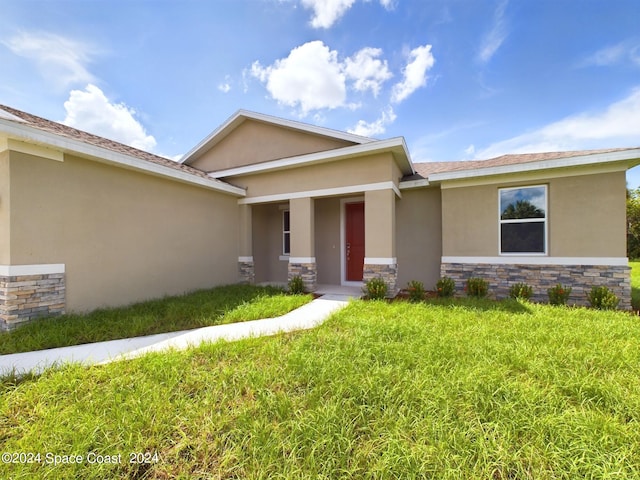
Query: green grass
{"points": [[226, 304], [470, 389]]}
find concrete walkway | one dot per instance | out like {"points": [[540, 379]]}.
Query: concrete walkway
{"points": [[306, 317]]}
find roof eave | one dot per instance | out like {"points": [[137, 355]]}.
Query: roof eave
{"points": [[418, 183], [34, 135], [629, 158]]}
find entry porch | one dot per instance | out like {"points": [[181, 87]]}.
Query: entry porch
{"points": [[327, 241]]}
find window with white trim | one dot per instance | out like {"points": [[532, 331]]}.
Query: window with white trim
{"points": [[523, 220], [286, 232]]}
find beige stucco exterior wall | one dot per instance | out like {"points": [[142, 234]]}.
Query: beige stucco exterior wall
{"points": [[267, 243], [419, 236], [302, 217], [328, 240], [255, 142], [342, 173], [245, 230], [5, 209], [595, 223], [469, 221], [380, 224], [124, 236], [587, 217]]}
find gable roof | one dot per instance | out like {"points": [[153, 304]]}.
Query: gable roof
{"points": [[243, 115], [439, 171], [34, 129], [396, 146]]}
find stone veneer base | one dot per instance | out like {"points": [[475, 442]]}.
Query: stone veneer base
{"points": [[388, 273], [247, 272], [307, 271], [542, 277], [27, 297]]}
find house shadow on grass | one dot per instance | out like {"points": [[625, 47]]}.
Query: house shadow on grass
{"points": [[635, 299], [484, 304], [14, 379]]}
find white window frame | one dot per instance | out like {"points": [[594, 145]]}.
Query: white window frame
{"points": [[285, 233], [544, 220]]}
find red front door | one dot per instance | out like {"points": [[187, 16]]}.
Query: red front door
{"points": [[354, 248]]}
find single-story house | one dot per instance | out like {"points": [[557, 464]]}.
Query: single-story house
{"points": [[87, 222]]}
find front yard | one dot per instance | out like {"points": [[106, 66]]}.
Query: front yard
{"points": [[474, 389], [225, 304]]}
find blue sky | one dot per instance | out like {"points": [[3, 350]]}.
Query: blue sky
{"points": [[467, 79]]}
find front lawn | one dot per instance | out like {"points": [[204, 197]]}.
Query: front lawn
{"points": [[226, 304], [474, 389]]}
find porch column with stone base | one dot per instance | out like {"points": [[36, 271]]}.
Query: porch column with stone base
{"points": [[380, 238], [306, 269], [246, 268], [387, 269], [302, 261]]}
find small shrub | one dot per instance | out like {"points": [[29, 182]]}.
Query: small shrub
{"points": [[559, 294], [296, 285], [477, 287], [416, 291], [445, 287], [521, 291], [603, 298], [375, 289]]}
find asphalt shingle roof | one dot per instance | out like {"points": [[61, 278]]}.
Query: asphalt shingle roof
{"points": [[88, 138], [429, 168]]}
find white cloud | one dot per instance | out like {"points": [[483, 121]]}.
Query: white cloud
{"points": [[61, 60], [470, 150], [328, 12], [90, 110], [606, 56], [313, 77], [225, 86], [310, 78], [495, 37], [627, 51], [415, 73], [388, 4], [378, 127], [617, 126], [368, 71]]}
